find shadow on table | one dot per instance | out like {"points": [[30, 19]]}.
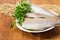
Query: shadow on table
{"points": [[50, 34], [45, 35]]}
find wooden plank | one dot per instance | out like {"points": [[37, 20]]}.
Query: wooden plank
{"points": [[16, 34], [4, 26]]}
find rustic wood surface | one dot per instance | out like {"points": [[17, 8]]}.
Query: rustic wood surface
{"points": [[15, 34]]}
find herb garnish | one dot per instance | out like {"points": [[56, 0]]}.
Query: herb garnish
{"points": [[20, 11]]}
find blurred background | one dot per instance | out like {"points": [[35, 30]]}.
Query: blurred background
{"points": [[34, 1]]}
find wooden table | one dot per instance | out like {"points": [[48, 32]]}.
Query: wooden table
{"points": [[15, 34]]}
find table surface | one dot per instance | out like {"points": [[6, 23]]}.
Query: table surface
{"points": [[15, 34]]}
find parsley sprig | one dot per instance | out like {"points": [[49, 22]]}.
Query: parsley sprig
{"points": [[20, 11]]}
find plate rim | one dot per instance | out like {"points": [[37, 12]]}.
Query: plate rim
{"points": [[21, 28]]}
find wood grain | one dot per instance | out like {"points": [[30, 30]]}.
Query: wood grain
{"points": [[16, 34]]}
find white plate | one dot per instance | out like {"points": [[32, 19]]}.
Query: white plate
{"points": [[21, 28]]}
